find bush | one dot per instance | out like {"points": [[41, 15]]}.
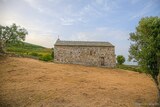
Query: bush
{"points": [[46, 57], [131, 68], [120, 59], [34, 54]]}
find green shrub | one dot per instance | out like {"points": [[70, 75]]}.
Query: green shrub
{"points": [[120, 59], [46, 57], [34, 54]]}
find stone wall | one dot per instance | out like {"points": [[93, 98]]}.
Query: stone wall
{"points": [[94, 56]]}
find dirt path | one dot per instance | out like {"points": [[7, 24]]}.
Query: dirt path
{"points": [[33, 83]]}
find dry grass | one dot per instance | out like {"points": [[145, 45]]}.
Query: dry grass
{"points": [[32, 83]]}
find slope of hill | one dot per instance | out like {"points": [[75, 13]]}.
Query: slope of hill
{"points": [[26, 82], [30, 50]]}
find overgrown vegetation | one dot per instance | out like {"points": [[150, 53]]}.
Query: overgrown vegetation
{"points": [[121, 59], [30, 50], [135, 68], [46, 57]]}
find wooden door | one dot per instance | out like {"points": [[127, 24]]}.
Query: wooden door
{"points": [[102, 61]]}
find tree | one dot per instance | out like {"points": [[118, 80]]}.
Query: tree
{"points": [[12, 34], [120, 59], [145, 46]]}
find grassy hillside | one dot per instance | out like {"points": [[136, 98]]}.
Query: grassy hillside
{"points": [[30, 50], [31, 83]]}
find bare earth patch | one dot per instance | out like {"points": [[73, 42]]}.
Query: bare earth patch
{"points": [[32, 83]]}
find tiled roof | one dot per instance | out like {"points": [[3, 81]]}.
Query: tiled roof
{"points": [[82, 43]]}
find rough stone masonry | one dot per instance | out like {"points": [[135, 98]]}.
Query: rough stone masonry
{"points": [[85, 53]]}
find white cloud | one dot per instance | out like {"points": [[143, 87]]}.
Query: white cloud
{"points": [[39, 33], [80, 36], [66, 14], [35, 4], [43, 40], [67, 21], [102, 32]]}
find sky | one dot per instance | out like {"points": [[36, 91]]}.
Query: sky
{"points": [[78, 20]]}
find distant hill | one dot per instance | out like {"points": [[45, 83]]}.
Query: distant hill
{"points": [[32, 45], [28, 49]]}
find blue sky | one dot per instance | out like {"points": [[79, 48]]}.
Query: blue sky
{"points": [[91, 20]]}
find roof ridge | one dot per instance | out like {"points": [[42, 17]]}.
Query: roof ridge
{"points": [[82, 43]]}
